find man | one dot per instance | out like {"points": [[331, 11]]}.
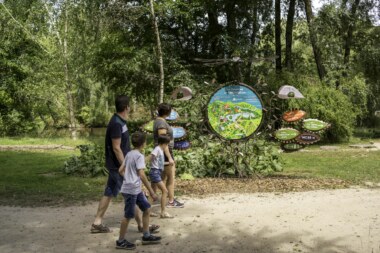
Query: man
{"points": [[116, 147]]}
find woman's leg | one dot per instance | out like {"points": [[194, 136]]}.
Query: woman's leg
{"points": [[168, 176]]}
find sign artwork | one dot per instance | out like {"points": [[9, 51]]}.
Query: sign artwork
{"points": [[235, 112]]}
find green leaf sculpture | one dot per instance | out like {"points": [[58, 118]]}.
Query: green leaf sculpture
{"points": [[286, 134], [314, 125]]}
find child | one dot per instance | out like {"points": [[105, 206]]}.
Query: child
{"points": [[132, 171], [157, 160]]}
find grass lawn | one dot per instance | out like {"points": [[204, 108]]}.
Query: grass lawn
{"points": [[35, 178], [355, 166], [65, 141]]}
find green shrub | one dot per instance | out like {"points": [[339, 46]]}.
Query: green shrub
{"points": [[89, 163], [215, 159], [329, 105]]}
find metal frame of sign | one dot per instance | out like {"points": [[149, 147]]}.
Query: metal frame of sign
{"points": [[218, 134]]}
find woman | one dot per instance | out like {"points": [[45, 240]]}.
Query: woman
{"points": [[161, 127]]}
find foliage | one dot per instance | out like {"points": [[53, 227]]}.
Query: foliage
{"points": [[330, 105], [62, 62], [216, 158], [89, 163]]}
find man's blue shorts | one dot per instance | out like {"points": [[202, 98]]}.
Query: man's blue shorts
{"points": [[131, 201], [114, 183], [155, 175]]}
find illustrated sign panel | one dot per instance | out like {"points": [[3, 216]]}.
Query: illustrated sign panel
{"points": [[235, 112], [173, 116], [178, 132]]}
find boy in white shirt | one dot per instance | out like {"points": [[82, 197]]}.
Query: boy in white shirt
{"points": [[133, 173], [157, 161]]}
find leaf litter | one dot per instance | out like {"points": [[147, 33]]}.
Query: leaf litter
{"points": [[207, 186]]}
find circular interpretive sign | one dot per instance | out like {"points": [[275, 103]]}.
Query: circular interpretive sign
{"points": [[235, 112]]}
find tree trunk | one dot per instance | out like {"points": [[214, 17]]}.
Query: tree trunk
{"points": [[231, 24], [213, 30], [69, 95], [159, 53], [255, 28], [289, 34], [350, 30], [313, 40], [278, 33]]}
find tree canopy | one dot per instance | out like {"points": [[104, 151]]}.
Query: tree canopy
{"points": [[63, 61]]}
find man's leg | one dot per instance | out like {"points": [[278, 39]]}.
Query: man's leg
{"points": [[102, 208]]}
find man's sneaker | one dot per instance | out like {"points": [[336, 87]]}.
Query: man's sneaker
{"points": [[151, 239], [124, 244], [175, 204]]}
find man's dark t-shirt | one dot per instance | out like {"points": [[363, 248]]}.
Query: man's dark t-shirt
{"points": [[117, 128]]}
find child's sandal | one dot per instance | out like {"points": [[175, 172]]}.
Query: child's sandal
{"points": [[166, 216]]}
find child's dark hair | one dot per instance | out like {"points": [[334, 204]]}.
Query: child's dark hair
{"points": [[164, 109], [163, 139], [121, 103], [138, 139]]}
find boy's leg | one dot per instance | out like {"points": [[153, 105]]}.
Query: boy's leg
{"points": [[129, 213], [138, 216], [145, 220], [144, 205], [122, 243], [123, 228]]}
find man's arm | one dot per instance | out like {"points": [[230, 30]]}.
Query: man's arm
{"points": [[116, 143], [146, 183], [122, 169], [149, 158]]}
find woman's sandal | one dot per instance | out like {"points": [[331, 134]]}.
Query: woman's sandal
{"points": [[166, 216], [153, 214], [153, 228]]}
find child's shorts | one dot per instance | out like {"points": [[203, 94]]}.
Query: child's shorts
{"points": [[155, 175], [131, 201]]}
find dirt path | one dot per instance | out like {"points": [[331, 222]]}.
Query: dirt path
{"points": [[345, 220]]}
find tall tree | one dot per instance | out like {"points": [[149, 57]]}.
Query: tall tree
{"points": [[278, 33], [350, 30], [313, 40], [159, 52], [289, 34]]}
